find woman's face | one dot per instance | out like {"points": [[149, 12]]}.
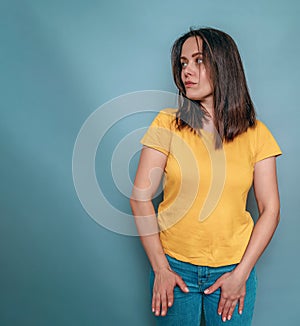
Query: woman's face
{"points": [[194, 75]]}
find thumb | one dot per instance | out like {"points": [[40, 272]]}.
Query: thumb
{"points": [[181, 284], [212, 288]]}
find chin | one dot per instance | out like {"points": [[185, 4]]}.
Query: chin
{"points": [[193, 97]]}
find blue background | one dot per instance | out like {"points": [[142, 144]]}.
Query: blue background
{"points": [[62, 59]]}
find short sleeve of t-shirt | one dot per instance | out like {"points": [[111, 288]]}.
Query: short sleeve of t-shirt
{"points": [[159, 134], [266, 145]]}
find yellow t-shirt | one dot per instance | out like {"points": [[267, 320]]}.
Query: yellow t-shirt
{"points": [[203, 218]]}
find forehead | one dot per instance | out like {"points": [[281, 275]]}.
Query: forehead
{"points": [[192, 45]]}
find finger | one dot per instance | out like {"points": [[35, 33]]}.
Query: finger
{"points": [[164, 307], [170, 297], [226, 309], [181, 284], [153, 302], [241, 305], [221, 306], [157, 304], [231, 309], [212, 288]]}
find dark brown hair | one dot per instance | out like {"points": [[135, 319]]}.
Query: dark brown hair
{"points": [[233, 108]]}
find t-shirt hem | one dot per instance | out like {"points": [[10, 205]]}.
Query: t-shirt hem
{"points": [[260, 158], [203, 262], [155, 147]]}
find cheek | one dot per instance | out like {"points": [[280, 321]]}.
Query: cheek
{"points": [[205, 77], [182, 75]]}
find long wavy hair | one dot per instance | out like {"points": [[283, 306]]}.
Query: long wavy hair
{"points": [[234, 111]]}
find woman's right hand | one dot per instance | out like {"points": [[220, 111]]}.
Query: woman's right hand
{"points": [[163, 290]]}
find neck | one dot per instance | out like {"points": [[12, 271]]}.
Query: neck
{"points": [[209, 108]]}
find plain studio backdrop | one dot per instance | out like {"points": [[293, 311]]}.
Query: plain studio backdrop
{"points": [[60, 61]]}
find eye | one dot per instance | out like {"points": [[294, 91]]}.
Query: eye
{"points": [[199, 60], [183, 64]]}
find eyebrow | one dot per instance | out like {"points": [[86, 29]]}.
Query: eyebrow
{"points": [[193, 55]]}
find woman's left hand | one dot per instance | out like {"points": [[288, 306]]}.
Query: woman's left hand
{"points": [[233, 292]]}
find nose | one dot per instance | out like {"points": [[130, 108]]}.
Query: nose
{"points": [[189, 69]]}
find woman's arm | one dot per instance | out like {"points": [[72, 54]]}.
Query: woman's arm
{"points": [[233, 285], [148, 177], [267, 197]]}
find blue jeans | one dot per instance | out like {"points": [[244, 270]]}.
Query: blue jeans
{"points": [[187, 307]]}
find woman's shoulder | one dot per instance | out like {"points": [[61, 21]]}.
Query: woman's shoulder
{"points": [[168, 112], [263, 141], [165, 117], [256, 133], [258, 128], [259, 124]]}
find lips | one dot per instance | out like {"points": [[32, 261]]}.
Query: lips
{"points": [[189, 84]]}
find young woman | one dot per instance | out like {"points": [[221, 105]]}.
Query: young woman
{"points": [[203, 245]]}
